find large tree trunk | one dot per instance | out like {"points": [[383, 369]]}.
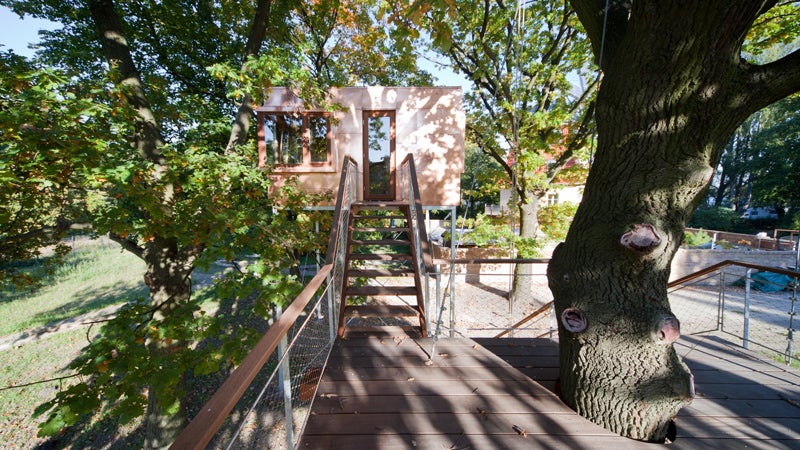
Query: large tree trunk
{"points": [[674, 91], [168, 277]]}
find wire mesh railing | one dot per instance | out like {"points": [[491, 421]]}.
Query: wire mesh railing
{"points": [[476, 302], [266, 400], [273, 411], [743, 305]]}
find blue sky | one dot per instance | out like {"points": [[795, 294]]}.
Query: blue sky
{"points": [[16, 33]]}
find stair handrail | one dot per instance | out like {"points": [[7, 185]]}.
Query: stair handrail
{"points": [[415, 204], [344, 199], [201, 430]]}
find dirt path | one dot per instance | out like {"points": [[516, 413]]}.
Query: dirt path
{"points": [[45, 331]]}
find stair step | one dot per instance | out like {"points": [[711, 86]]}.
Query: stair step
{"points": [[381, 242], [368, 217], [383, 332], [372, 273], [380, 257], [380, 290], [364, 311], [380, 229], [377, 205]]}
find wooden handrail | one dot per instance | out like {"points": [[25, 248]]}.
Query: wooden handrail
{"points": [[671, 284], [439, 261], [348, 161], [545, 308], [204, 426], [427, 259], [726, 263]]}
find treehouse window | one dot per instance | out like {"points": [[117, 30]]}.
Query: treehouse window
{"points": [[296, 139]]}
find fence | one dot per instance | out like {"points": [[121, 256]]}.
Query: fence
{"points": [[736, 308]]}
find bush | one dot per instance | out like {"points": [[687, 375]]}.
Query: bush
{"points": [[719, 218], [696, 239], [554, 220]]}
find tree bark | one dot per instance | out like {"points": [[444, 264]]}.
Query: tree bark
{"points": [[522, 289], [168, 277], [258, 31], [168, 267], [674, 91]]}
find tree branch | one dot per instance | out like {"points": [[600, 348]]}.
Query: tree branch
{"points": [[127, 244], [774, 81], [115, 47], [258, 32], [592, 15]]}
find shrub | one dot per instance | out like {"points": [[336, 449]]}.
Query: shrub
{"points": [[554, 220], [696, 239], [719, 218]]}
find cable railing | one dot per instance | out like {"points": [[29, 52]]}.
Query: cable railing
{"points": [[266, 400], [743, 305], [722, 298], [480, 308]]}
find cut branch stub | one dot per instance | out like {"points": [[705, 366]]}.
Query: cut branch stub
{"points": [[642, 238], [574, 320], [668, 329]]}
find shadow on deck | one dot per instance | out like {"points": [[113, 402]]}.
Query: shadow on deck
{"points": [[381, 392]]}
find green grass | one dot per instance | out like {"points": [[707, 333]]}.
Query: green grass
{"points": [[43, 360], [91, 279]]}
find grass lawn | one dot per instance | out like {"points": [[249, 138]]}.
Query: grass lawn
{"points": [[42, 360], [94, 277]]}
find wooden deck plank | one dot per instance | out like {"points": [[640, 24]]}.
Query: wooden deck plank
{"points": [[379, 393], [376, 393], [454, 423], [764, 408], [435, 404], [469, 441]]}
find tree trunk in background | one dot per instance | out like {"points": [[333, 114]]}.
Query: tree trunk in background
{"points": [[522, 289], [674, 91]]}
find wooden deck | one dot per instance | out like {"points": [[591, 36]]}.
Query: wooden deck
{"points": [[381, 392]]}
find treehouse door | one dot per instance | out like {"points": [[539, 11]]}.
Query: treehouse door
{"points": [[379, 155]]}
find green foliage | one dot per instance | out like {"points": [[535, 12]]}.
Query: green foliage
{"points": [[696, 239], [490, 231], [528, 247], [53, 129], [481, 182], [776, 167], [554, 220], [718, 218]]}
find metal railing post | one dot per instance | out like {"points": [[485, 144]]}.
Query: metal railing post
{"points": [[332, 325], [746, 331], [438, 301], [790, 334], [721, 301], [452, 286], [285, 381]]}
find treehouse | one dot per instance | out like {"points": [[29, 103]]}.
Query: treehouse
{"points": [[378, 128]]}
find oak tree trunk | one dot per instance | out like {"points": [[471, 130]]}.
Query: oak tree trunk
{"points": [[522, 289], [673, 92], [168, 277]]}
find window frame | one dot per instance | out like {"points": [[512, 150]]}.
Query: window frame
{"points": [[305, 135]]}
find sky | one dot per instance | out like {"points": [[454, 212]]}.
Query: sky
{"points": [[17, 34]]}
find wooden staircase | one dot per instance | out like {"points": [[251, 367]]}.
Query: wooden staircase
{"points": [[379, 248]]}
